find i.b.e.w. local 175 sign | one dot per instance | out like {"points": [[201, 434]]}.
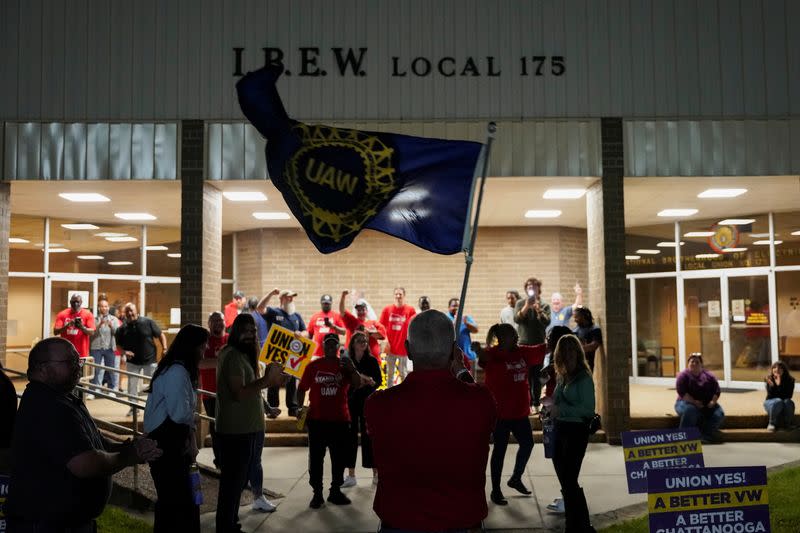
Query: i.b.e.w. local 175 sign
{"points": [[314, 62], [287, 349]]}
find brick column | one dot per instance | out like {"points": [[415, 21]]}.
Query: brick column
{"points": [[201, 230], [5, 232], [609, 294]]}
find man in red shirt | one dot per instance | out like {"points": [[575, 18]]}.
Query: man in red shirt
{"points": [[208, 371], [328, 419], [233, 308], [446, 483], [76, 325], [359, 322], [324, 322], [395, 319]]}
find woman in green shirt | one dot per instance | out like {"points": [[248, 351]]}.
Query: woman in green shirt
{"points": [[573, 408], [239, 415]]}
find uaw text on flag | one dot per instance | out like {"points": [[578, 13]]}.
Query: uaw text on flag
{"points": [[337, 181]]}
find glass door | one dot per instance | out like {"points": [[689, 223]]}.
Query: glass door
{"points": [[703, 322], [748, 331], [727, 321]]}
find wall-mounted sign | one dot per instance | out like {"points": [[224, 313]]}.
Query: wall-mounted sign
{"points": [[314, 61], [724, 237], [714, 309]]}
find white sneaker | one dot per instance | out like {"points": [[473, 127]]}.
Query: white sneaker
{"points": [[90, 396], [771, 427], [263, 504], [349, 481], [557, 506], [112, 394]]}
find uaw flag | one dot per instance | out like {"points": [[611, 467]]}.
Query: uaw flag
{"points": [[338, 181]]}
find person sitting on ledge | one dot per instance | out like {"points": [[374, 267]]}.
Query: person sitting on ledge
{"points": [[697, 403], [779, 404]]}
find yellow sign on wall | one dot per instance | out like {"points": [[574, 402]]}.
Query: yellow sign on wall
{"points": [[291, 352]]}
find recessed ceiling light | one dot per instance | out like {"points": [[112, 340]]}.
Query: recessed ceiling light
{"points": [[736, 221], [271, 215], [632, 257], [110, 234], [766, 242], [18, 240], [158, 248], [683, 212], [706, 256], [670, 244], [699, 234], [90, 257], [120, 263], [79, 226], [796, 232], [84, 197], [645, 251], [174, 256], [245, 196], [121, 239], [58, 250], [721, 193], [761, 235], [52, 245], [135, 216], [732, 250], [543, 213], [563, 194]]}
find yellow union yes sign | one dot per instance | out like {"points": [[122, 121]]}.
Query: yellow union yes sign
{"points": [[284, 348]]}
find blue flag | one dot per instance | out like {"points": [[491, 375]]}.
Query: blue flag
{"points": [[338, 181]]}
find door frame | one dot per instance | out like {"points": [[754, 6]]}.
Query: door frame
{"points": [[722, 274]]}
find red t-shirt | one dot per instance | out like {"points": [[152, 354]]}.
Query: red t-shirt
{"points": [[395, 320], [77, 337], [353, 324], [451, 447], [231, 312], [208, 376], [317, 328], [328, 386], [507, 378]]}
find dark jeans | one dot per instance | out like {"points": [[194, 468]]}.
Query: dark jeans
{"points": [[235, 459], [536, 385], [333, 436], [175, 508], [210, 405], [522, 431], [273, 395], [358, 424], [571, 439]]}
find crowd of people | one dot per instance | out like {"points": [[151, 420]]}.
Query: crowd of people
{"points": [[532, 362]]}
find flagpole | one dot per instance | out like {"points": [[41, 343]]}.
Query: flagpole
{"points": [[491, 128]]}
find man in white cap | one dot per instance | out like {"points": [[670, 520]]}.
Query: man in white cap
{"points": [[361, 322], [287, 317]]}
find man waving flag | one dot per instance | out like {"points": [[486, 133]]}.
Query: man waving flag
{"points": [[338, 181]]}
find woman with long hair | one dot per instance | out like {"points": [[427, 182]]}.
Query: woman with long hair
{"points": [[371, 377], [239, 416], [169, 420], [506, 365], [779, 404], [572, 409]]}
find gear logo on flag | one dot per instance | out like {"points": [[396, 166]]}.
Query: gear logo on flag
{"points": [[341, 178]]}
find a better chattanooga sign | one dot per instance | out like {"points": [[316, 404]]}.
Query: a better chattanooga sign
{"points": [[314, 61]]}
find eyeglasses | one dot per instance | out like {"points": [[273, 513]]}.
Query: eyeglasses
{"points": [[74, 362]]}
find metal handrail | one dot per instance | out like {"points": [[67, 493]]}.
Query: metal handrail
{"points": [[117, 370]]}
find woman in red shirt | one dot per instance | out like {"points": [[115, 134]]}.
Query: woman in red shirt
{"points": [[505, 364]]}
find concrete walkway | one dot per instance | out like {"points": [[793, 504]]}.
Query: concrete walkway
{"points": [[603, 478]]}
